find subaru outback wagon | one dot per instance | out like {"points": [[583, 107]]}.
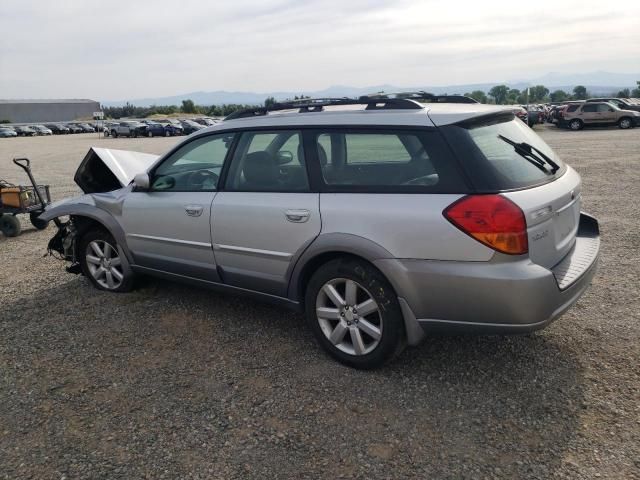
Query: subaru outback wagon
{"points": [[384, 219]]}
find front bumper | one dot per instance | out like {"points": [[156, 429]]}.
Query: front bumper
{"points": [[505, 295]]}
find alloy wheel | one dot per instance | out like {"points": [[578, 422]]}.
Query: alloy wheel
{"points": [[349, 316], [105, 265]]}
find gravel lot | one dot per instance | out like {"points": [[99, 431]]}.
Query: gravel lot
{"points": [[174, 382]]}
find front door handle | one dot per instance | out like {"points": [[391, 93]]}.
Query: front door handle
{"points": [[297, 215], [193, 210]]}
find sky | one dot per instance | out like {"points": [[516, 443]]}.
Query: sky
{"points": [[118, 50]]}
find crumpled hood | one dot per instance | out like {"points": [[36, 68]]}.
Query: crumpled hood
{"points": [[105, 170]]}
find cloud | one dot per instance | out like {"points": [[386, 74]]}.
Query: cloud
{"points": [[131, 49]]}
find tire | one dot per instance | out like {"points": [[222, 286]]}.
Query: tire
{"points": [[625, 123], [10, 225], [36, 222], [353, 337], [576, 125], [167, 133], [149, 134], [114, 134], [133, 134], [98, 262]]}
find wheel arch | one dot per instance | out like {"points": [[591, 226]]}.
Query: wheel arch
{"points": [[324, 249], [89, 215]]}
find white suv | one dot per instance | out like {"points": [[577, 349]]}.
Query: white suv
{"points": [[383, 218]]}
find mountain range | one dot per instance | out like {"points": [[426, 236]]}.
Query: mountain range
{"points": [[597, 83]]}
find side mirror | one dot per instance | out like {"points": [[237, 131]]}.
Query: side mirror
{"points": [[141, 182], [284, 157]]}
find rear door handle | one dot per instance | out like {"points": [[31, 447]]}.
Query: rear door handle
{"points": [[297, 215], [193, 210]]}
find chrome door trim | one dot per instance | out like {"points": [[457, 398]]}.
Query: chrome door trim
{"points": [[170, 240], [252, 251]]}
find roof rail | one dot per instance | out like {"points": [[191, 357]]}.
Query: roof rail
{"points": [[377, 101]]}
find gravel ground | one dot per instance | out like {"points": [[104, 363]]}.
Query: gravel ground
{"points": [[174, 382]]}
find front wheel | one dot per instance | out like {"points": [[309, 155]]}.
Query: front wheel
{"points": [[149, 134], [624, 123], [354, 313], [114, 134], [102, 264]]}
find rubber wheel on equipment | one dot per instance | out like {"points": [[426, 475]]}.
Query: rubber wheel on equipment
{"points": [[354, 313], [10, 225], [36, 222]]}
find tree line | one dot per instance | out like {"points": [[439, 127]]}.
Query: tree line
{"points": [[500, 94], [503, 95]]}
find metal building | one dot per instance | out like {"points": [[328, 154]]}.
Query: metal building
{"points": [[63, 110]]}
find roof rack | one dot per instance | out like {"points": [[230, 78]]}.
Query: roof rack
{"points": [[376, 101]]}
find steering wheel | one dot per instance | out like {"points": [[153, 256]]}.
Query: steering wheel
{"points": [[200, 177]]}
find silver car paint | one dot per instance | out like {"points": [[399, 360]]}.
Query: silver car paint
{"points": [[406, 225], [170, 231], [455, 282], [124, 164], [552, 212], [257, 235]]}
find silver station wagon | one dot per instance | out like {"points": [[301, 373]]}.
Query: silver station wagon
{"points": [[384, 218]]}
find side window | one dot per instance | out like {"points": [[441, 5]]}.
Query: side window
{"points": [[591, 107], [268, 162], [375, 159], [603, 107], [195, 166]]}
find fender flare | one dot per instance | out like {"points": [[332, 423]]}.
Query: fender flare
{"points": [[95, 213], [329, 243]]}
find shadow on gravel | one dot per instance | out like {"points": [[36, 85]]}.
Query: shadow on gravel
{"points": [[171, 378]]}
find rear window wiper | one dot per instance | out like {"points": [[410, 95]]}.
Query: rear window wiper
{"points": [[533, 155]]}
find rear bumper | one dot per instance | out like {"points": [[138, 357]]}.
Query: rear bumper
{"points": [[505, 295]]}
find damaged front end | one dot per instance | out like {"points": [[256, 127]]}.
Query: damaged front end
{"points": [[103, 175], [63, 245]]}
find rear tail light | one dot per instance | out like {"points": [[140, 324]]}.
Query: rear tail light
{"points": [[493, 220]]}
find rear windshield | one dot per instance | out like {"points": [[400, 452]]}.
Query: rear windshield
{"points": [[492, 163]]}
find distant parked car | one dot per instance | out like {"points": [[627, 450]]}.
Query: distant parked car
{"points": [[536, 114], [600, 114], [129, 128], [58, 129], [190, 126], [6, 132], [86, 128], [206, 121], [73, 128], [622, 103], [24, 131], [521, 113], [42, 130], [173, 126], [106, 128], [156, 129]]}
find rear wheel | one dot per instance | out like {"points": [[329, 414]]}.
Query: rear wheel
{"points": [[36, 222], [10, 225], [354, 313], [102, 264], [575, 124], [624, 123]]}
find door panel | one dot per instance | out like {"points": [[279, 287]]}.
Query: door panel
{"points": [[170, 231], [256, 236]]}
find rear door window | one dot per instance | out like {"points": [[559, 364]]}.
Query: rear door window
{"points": [[385, 160]]}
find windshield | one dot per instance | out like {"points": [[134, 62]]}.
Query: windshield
{"points": [[493, 150]]}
